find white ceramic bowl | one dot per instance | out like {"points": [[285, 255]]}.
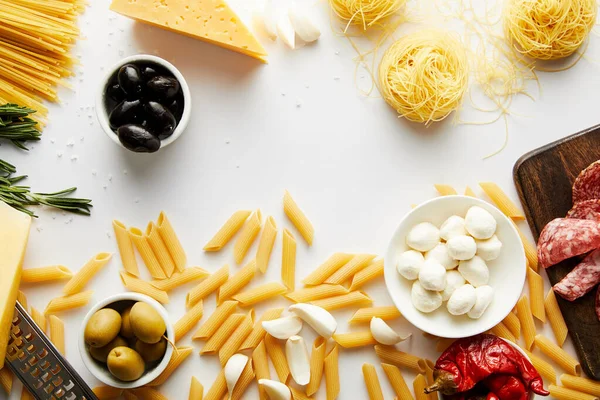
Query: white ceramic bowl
{"points": [[507, 272], [99, 370], [103, 114]]}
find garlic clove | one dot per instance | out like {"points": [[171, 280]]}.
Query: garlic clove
{"points": [[286, 31], [233, 370], [384, 334], [275, 390], [269, 18], [298, 361], [318, 318], [303, 26], [283, 328]]}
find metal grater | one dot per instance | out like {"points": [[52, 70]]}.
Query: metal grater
{"points": [[37, 363]]}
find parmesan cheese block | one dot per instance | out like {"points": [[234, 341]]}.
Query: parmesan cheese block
{"points": [[14, 232], [210, 20]]}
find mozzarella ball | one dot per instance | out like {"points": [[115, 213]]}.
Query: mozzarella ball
{"points": [[462, 247], [432, 276], [475, 271], [489, 249], [440, 254], [453, 226], [425, 300], [409, 264], [462, 300], [454, 280], [485, 295], [423, 237], [480, 223]]}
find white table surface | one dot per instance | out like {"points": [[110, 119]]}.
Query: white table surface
{"points": [[298, 123]]}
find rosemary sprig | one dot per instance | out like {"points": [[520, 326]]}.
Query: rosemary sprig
{"points": [[16, 126]]}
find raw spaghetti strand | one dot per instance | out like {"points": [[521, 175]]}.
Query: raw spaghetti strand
{"points": [[365, 13]]}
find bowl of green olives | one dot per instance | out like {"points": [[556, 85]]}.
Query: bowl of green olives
{"points": [[144, 103], [125, 340]]}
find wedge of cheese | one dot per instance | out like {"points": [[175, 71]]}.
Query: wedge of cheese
{"points": [[210, 20], [14, 232]]}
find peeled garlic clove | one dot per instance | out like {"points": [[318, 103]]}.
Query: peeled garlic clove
{"points": [[303, 26], [275, 390], [286, 31], [384, 334], [318, 318], [233, 370], [269, 19], [283, 328], [298, 361]]}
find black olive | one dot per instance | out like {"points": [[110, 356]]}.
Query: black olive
{"points": [[176, 107], [126, 112], [114, 92], [149, 72], [160, 120], [130, 80], [136, 138], [163, 87]]}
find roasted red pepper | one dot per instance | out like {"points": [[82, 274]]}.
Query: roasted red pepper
{"points": [[471, 360], [505, 387]]}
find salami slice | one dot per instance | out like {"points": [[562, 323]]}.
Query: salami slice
{"points": [[588, 209], [581, 279], [564, 238], [587, 184]]}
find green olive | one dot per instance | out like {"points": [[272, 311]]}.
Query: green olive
{"points": [[102, 327], [146, 323], [125, 364], [151, 352], [101, 353], [126, 324]]}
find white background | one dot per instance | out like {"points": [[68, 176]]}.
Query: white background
{"points": [[298, 123]]}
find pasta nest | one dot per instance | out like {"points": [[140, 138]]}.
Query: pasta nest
{"points": [[365, 13]]}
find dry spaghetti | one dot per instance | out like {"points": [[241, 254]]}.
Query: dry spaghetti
{"points": [[424, 75], [365, 13]]}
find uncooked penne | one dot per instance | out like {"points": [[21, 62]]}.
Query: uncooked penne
{"points": [[469, 192], [328, 268], [57, 333], [129, 395], [188, 321], [419, 385], [216, 319], [502, 331], [298, 395], [196, 390], [265, 245], [207, 286], [581, 384], [260, 293], [258, 332], [143, 246], [390, 355], [237, 337], [6, 380], [216, 341], [137, 285], [364, 315], [247, 236], [243, 382], [39, 319], [351, 299], [310, 293], [530, 250], [236, 282], [536, 294], [46, 274], [148, 393], [86, 273], [226, 232], [445, 190], [555, 317], [356, 264], [502, 201], [160, 249], [218, 388], [298, 218], [107, 392], [332, 374], [26, 395], [317, 359], [65, 303], [527, 324], [371, 272], [260, 362], [354, 339], [566, 361], [188, 275], [545, 369], [22, 299], [562, 393], [288, 260], [372, 382], [511, 321], [278, 358], [178, 357], [125, 246], [169, 237], [397, 381]]}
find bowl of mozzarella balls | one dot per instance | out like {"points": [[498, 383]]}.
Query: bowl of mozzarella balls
{"points": [[455, 266]]}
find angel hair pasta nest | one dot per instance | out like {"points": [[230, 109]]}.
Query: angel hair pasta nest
{"points": [[548, 29], [424, 75], [365, 13]]}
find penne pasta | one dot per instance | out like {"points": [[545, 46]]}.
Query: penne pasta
{"points": [[22, 299], [502, 331], [502, 201], [143, 246], [371, 272], [397, 381], [354, 339], [445, 190], [46, 274], [160, 249], [218, 339], [217, 318], [258, 332], [545, 369], [372, 382], [86, 273], [526, 319], [307, 294], [317, 359], [39, 319], [25, 395], [65, 303], [243, 382], [57, 333], [128, 395], [469, 192], [429, 378], [235, 283], [188, 321], [298, 218], [196, 390], [561, 393], [265, 245], [351, 299], [260, 362], [235, 340], [581, 384], [247, 236], [260, 293], [137, 285], [558, 355], [513, 324], [125, 246], [148, 393], [180, 278], [536, 295], [328, 268], [530, 250], [557, 322], [288, 261], [443, 343], [356, 264], [364, 315], [6, 380], [419, 385], [207, 286], [278, 359], [178, 357], [226, 232], [298, 395], [107, 392], [171, 241], [218, 388], [390, 355], [332, 374]]}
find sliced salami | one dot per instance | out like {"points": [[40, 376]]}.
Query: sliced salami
{"points": [[588, 209], [587, 184], [581, 279], [564, 238]]}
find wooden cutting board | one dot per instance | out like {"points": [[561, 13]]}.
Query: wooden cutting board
{"points": [[544, 178]]}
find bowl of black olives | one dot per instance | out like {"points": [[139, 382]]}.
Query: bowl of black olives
{"points": [[144, 103]]}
